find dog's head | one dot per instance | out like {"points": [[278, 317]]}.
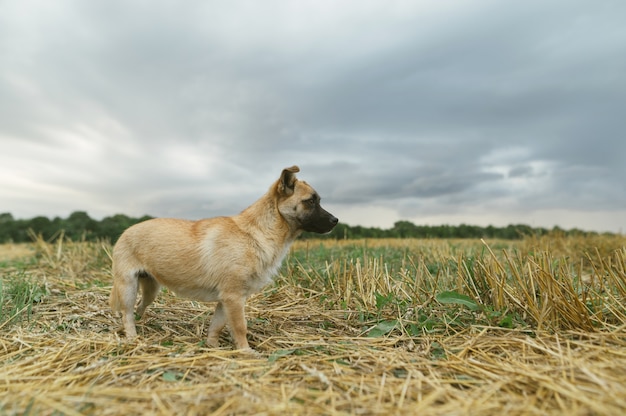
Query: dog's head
{"points": [[299, 204]]}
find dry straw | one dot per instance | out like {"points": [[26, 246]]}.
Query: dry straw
{"points": [[565, 354]]}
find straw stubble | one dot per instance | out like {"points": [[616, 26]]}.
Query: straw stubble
{"points": [[70, 357]]}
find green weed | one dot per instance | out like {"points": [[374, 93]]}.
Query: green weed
{"points": [[18, 293]]}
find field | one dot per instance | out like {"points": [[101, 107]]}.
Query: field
{"points": [[372, 327]]}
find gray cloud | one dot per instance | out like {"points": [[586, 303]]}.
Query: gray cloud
{"points": [[420, 108]]}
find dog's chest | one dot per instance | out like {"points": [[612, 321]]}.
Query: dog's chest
{"points": [[269, 263]]}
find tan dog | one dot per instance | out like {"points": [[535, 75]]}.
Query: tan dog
{"points": [[223, 259]]}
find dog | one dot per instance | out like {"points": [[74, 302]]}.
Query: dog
{"points": [[223, 259]]}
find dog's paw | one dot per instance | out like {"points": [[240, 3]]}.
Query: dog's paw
{"points": [[249, 352], [212, 343]]}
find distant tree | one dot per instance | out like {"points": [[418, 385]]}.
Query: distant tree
{"points": [[142, 219], [404, 229], [112, 227], [42, 226], [80, 226], [6, 217], [340, 232], [7, 224]]}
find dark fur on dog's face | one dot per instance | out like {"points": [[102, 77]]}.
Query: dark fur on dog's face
{"points": [[314, 218], [300, 205]]}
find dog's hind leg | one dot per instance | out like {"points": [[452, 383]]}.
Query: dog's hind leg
{"points": [[126, 286], [149, 291], [217, 324]]}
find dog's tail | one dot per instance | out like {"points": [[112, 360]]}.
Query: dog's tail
{"points": [[114, 299]]}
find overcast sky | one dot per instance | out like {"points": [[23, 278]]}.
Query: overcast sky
{"points": [[478, 112]]}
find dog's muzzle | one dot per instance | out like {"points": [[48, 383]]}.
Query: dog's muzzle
{"points": [[323, 222]]}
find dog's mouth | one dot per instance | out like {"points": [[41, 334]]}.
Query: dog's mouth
{"points": [[321, 224]]}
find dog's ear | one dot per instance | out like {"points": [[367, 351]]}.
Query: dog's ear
{"points": [[287, 181]]}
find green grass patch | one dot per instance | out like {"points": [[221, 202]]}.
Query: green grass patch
{"points": [[18, 293]]}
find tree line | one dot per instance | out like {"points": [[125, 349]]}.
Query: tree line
{"points": [[80, 226], [407, 229], [77, 226]]}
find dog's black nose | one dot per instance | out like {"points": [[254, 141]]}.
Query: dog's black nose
{"points": [[334, 220]]}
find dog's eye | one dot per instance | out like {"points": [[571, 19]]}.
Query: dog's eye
{"points": [[310, 201]]}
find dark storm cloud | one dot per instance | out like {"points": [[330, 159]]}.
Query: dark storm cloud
{"points": [[192, 109]]}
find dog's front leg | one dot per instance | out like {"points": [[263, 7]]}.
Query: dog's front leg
{"points": [[234, 311]]}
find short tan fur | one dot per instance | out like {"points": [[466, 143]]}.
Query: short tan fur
{"points": [[223, 259]]}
